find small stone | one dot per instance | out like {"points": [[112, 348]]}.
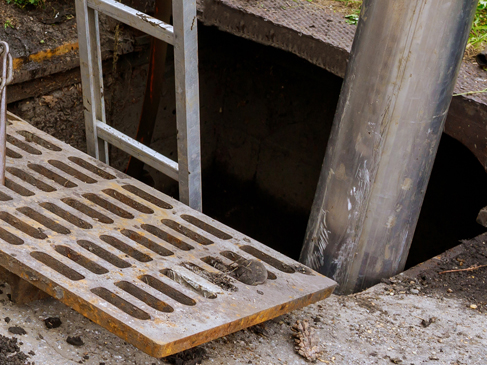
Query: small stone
{"points": [[414, 291], [7, 319], [75, 341], [473, 306], [16, 330], [449, 291], [52, 322]]}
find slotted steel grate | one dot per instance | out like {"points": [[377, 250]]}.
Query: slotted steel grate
{"points": [[144, 266]]}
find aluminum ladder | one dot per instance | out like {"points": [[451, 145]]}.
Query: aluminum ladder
{"points": [[183, 36]]}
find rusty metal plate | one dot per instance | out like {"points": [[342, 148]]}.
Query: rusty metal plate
{"points": [[137, 262]]}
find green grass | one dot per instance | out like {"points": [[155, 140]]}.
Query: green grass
{"points": [[478, 35], [24, 3]]}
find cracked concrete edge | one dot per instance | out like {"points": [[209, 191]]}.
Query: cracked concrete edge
{"points": [[433, 262], [247, 25]]}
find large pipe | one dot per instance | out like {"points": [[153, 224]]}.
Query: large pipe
{"points": [[393, 104]]}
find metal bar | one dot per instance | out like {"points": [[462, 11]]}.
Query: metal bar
{"points": [[383, 143], [5, 79], [135, 19], [138, 150], [187, 102], [91, 77], [153, 90]]}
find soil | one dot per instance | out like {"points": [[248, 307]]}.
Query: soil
{"points": [[10, 353], [59, 113], [30, 30], [468, 285]]}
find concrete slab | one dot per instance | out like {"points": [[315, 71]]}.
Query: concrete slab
{"points": [[395, 322]]}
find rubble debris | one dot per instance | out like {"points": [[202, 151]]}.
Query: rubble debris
{"points": [[53, 322], [75, 341], [16, 330], [10, 353], [425, 323], [305, 340]]}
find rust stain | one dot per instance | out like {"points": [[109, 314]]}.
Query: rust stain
{"points": [[45, 55]]}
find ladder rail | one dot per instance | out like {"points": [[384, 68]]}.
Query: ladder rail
{"points": [[183, 35], [91, 78], [187, 101]]}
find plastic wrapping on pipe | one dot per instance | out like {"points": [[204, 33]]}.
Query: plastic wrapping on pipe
{"points": [[397, 90]]}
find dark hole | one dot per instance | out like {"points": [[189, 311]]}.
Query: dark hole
{"points": [[52, 175], [22, 226], [73, 172], [176, 242], [13, 154], [19, 189], [30, 179], [4, 197], [47, 222], [103, 254], [120, 303], [81, 260], [144, 241], [268, 259], [22, 145], [167, 290], [455, 194], [31, 137], [121, 246], [108, 206], [144, 297], [186, 232], [128, 201], [206, 227], [146, 196], [83, 208], [67, 216], [10, 238], [57, 265], [92, 168]]}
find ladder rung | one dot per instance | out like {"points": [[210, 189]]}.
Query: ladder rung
{"points": [[134, 18], [138, 150]]}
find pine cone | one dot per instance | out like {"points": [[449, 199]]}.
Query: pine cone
{"points": [[305, 340]]}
